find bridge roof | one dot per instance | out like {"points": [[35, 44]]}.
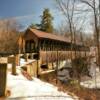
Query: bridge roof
{"points": [[51, 36]]}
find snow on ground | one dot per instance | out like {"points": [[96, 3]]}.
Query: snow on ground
{"points": [[23, 89], [23, 62], [94, 82]]}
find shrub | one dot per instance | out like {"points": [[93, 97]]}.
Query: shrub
{"points": [[80, 66]]}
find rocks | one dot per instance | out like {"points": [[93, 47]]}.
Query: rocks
{"points": [[64, 72], [92, 69]]}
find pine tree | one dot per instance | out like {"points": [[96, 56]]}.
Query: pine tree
{"points": [[35, 26], [46, 22]]}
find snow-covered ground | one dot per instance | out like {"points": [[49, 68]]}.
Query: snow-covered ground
{"points": [[23, 89], [94, 82]]}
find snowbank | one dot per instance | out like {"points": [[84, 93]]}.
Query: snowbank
{"points": [[20, 87]]}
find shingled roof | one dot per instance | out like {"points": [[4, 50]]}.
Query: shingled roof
{"points": [[41, 34]]}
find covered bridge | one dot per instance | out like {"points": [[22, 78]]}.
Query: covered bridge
{"points": [[47, 44]]}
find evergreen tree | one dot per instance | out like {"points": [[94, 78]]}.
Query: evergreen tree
{"points": [[46, 22], [35, 26]]}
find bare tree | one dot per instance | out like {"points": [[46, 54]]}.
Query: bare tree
{"points": [[8, 39], [67, 8], [74, 22], [8, 36], [95, 7]]}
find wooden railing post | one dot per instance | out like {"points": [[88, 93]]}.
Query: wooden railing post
{"points": [[13, 61], [3, 77]]}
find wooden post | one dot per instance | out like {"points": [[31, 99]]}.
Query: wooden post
{"points": [[17, 59], [52, 54], [37, 69], [31, 68], [3, 77], [26, 57], [3, 69], [14, 66], [57, 65], [13, 60], [38, 54], [46, 53]]}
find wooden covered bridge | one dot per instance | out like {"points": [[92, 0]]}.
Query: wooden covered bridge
{"points": [[49, 48], [35, 41]]}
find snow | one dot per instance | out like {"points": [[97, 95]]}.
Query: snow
{"points": [[20, 87], [23, 62], [63, 74], [92, 70], [94, 82], [48, 71], [65, 63]]}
